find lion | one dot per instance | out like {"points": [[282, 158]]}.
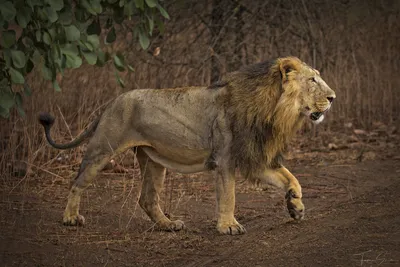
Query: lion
{"points": [[242, 122]]}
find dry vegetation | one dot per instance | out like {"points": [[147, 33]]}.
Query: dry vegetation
{"points": [[355, 44]]}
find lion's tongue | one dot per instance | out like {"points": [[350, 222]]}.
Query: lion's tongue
{"points": [[315, 115]]}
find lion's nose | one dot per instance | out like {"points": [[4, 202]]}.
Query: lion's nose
{"points": [[330, 99]]}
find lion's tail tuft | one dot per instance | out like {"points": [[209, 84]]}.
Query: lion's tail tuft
{"points": [[46, 119]]}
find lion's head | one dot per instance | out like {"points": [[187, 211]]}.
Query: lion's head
{"points": [[300, 81], [267, 103]]}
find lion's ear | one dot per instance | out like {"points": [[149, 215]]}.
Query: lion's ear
{"points": [[287, 65]]}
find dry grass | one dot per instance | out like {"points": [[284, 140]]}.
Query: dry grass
{"points": [[356, 47]]}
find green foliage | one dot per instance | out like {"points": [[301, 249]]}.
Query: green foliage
{"points": [[53, 35]]}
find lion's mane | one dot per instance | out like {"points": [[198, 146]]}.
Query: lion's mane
{"points": [[263, 116]]}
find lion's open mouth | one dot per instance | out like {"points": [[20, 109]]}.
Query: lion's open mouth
{"points": [[316, 115]]}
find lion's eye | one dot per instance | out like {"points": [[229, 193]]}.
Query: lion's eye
{"points": [[313, 80]]}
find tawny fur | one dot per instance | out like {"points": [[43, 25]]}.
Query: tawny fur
{"points": [[248, 119]]}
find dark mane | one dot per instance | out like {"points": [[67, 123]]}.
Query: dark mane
{"points": [[261, 122], [218, 84], [257, 69], [246, 72]]}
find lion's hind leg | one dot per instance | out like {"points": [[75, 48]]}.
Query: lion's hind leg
{"points": [[91, 164], [99, 151], [153, 175]]}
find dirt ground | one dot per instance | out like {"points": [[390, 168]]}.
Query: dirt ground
{"points": [[351, 193]]}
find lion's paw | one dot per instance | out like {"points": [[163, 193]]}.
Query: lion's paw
{"points": [[294, 205], [172, 225], [71, 220], [231, 229]]}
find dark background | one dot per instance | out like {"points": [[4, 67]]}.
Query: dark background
{"points": [[348, 166]]}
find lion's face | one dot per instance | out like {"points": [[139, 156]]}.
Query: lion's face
{"points": [[314, 96]]}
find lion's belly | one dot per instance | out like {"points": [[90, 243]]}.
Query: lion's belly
{"points": [[180, 160]]}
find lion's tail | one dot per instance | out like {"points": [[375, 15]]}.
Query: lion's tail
{"points": [[47, 121]]}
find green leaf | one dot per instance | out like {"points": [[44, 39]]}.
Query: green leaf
{"points": [[96, 5], [65, 16], [28, 42], [63, 64], [58, 63], [24, 17], [8, 39], [73, 61], [6, 99], [102, 58], [72, 33], [90, 57], [119, 62], [70, 50], [18, 58], [139, 4], [53, 33], [41, 14], [129, 8], [81, 14], [94, 41], [160, 26], [18, 102], [8, 10], [111, 36], [163, 11], [151, 24], [82, 26], [7, 57], [143, 40], [36, 57], [16, 76], [130, 68], [47, 73], [55, 52], [151, 3], [33, 3], [88, 7], [56, 4], [51, 14], [56, 86], [46, 38], [94, 28], [38, 35], [86, 46], [27, 90]]}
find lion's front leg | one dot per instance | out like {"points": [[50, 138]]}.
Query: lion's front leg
{"points": [[225, 190], [283, 178]]}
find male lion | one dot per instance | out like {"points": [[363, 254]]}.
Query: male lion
{"points": [[244, 121]]}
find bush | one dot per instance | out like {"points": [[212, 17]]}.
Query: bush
{"points": [[53, 35]]}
